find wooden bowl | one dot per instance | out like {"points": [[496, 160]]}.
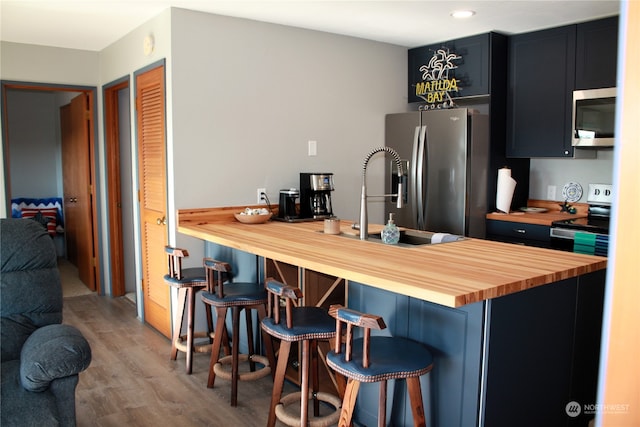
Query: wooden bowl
{"points": [[252, 219]]}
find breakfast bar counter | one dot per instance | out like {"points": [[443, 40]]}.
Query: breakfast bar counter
{"points": [[514, 330], [451, 274]]}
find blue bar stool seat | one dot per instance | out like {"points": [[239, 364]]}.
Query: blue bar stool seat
{"points": [[306, 325], [223, 294], [188, 281], [376, 359]]}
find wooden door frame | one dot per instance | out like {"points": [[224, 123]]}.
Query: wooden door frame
{"points": [[114, 196], [91, 93]]}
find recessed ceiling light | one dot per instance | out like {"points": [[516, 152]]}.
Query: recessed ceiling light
{"points": [[462, 13]]}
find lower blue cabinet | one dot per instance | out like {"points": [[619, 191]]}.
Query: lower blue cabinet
{"points": [[518, 359]]}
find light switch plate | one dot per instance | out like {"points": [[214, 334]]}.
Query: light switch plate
{"points": [[313, 148]]}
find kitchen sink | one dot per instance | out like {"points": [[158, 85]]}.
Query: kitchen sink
{"points": [[409, 238]]}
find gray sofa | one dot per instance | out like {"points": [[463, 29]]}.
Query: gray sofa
{"points": [[41, 358]]}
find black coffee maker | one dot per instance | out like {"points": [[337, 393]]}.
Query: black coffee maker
{"points": [[315, 195], [287, 209]]}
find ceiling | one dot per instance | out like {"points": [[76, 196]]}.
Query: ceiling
{"points": [[95, 24]]}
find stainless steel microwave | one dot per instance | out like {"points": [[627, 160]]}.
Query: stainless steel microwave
{"points": [[594, 114]]}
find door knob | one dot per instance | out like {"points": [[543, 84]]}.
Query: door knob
{"points": [[161, 221]]}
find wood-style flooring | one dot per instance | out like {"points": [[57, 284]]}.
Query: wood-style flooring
{"points": [[132, 382]]}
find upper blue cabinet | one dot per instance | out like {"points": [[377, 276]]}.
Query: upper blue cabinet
{"points": [[441, 72], [545, 67], [596, 53], [541, 81], [530, 78]]}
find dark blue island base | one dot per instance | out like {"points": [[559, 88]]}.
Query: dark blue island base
{"points": [[518, 360]]}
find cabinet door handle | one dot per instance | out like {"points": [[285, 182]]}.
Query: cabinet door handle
{"points": [[161, 221], [520, 230]]}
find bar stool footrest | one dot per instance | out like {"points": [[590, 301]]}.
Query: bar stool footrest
{"points": [[244, 376], [293, 420], [180, 343]]}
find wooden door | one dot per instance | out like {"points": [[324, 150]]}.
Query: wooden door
{"points": [[78, 190], [150, 115]]}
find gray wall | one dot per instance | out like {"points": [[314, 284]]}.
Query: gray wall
{"points": [[45, 64], [558, 172], [33, 121], [247, 96]]}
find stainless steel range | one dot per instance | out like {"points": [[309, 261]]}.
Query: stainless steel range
{"points": [[586, 235]]}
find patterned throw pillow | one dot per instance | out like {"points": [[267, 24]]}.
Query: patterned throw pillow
{"points": [[46, 217]]}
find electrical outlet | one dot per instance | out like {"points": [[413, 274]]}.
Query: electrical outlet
{"points": [[259, 193], [551, 192]]}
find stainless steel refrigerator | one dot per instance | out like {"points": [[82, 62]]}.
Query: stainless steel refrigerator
{"points": [[447, 158]]}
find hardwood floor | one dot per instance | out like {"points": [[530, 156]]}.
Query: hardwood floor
{"points": [[132, 382]]}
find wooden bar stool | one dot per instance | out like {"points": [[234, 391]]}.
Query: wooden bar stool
{"points": [[376, 359], [223, 294], [188, 281], [307, 325]]}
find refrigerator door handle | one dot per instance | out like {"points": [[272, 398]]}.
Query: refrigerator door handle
{"points": [[420, 178], [413, 176]]}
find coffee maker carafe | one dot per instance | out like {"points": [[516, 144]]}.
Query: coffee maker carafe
{"points": [[315, 195], [287, 209]]}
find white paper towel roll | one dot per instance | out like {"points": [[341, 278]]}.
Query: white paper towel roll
{"points": [[506, 186]]}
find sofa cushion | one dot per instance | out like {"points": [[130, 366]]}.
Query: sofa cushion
{"points": [[26, 246], [31, 335], [51, 352], [29, 284], [21, 407]]}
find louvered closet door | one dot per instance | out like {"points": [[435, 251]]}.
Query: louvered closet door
{"points": [[150, 106]]}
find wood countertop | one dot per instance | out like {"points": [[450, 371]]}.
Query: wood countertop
{"points": [[451, 274], [545, 218]]}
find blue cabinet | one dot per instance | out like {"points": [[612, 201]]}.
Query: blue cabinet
{"points": [[454, 337], [472, 70], [516, 360], [597, 53], [541, 81], [519, 233], [543, 353], [545, 67]]}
